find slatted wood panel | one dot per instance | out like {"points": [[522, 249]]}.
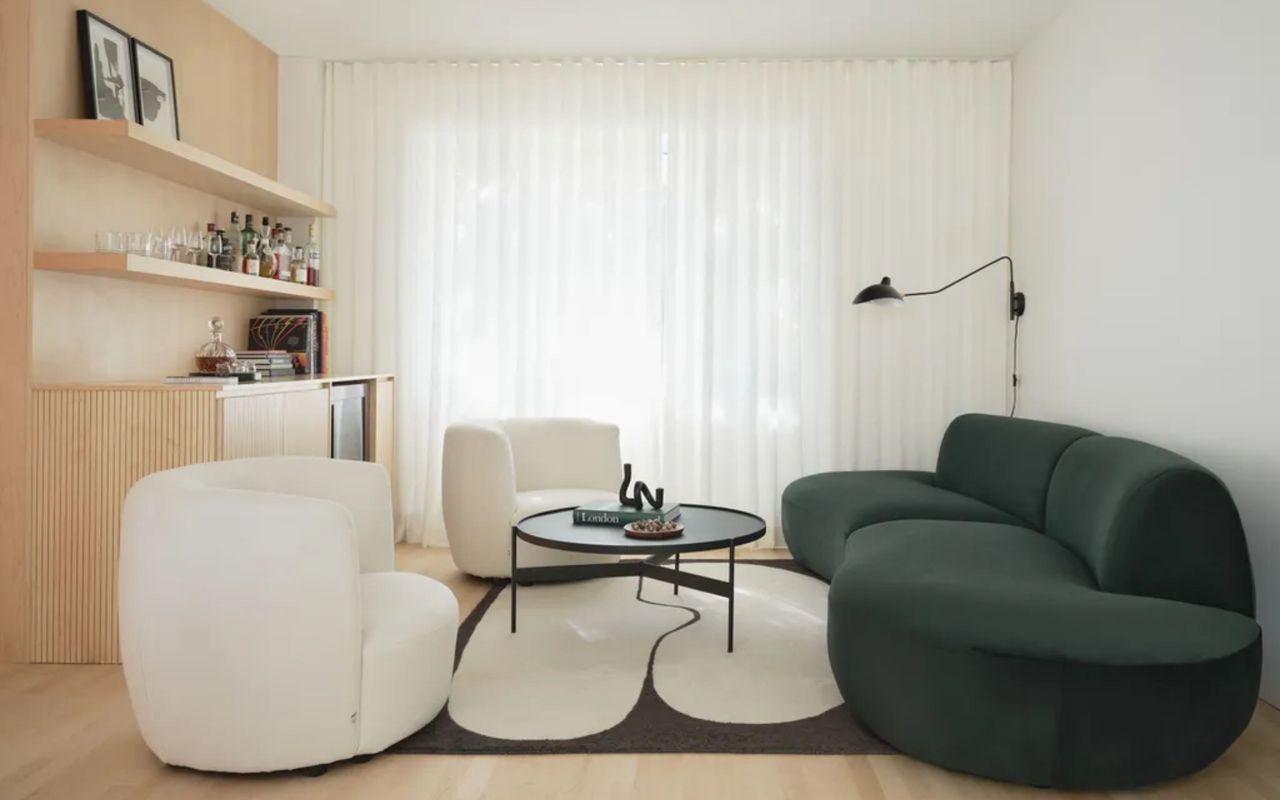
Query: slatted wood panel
{"points": [[281, 424], [89, 447], [251, 426]]}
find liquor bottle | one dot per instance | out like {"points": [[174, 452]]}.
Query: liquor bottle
{"points": [[284, 255], [249, 247], [298, 264], [313, 256], [212, 246], [228, 259], [266, 252], [231, 238]]}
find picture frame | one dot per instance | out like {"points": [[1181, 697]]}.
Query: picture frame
{"points": [[107, 67], [156, 89]]}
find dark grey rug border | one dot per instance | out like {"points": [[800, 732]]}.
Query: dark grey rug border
{"points": [[652, 726]]}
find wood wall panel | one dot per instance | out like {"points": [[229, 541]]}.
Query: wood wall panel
{"points": [[15, 321], [90, 446], [227, 89]]}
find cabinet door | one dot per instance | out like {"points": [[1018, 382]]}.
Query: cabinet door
{"points": [[276, 424], [305, 431], [251, 426]]}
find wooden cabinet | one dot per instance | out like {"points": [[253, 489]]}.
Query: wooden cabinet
{"points": [[91, 442], [279, 424]]}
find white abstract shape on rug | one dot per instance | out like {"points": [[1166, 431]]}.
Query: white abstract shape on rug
{"points": [[575, 667], [778, 672]]}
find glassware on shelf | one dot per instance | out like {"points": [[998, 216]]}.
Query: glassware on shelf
{"points": [[215, 351], [110, 242], [139, 243]]}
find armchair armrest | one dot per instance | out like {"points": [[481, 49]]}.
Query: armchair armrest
{"points": [[479, 495]]}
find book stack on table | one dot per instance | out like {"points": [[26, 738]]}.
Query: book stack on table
{"points": [[612, 513], [269, 363]]}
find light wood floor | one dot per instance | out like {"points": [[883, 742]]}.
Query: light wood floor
{"points": [[67, 732]]}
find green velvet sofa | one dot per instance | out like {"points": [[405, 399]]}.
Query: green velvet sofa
{"points": [[1051, 606]]}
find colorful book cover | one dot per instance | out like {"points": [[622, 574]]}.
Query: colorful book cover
{"points": [[295, 333]]}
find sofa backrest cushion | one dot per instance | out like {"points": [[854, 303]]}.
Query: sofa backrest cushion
{"points": [[1150, 522], [1004, 462]]}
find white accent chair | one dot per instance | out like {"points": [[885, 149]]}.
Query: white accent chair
{"points": [[497, 472], [262, 626]]}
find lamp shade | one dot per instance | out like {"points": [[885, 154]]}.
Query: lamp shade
{"points": [[881, 293]]}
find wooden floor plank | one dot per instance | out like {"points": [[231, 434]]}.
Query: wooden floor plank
{"points": [[68, 732]]}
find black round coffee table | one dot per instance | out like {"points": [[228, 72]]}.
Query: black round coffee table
{"points": [[705, 528]]}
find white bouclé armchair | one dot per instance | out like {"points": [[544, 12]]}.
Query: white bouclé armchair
{"points": [[496, 472], [262, 626]]}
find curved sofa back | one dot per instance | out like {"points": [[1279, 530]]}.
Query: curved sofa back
{"points": [[1150, 522], [1004, 462]]}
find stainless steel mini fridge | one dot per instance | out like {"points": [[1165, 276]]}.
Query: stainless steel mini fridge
{"points": [[347, 408]]}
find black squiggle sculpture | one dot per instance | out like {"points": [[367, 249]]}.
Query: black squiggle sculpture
{"points": [[640, 491]]}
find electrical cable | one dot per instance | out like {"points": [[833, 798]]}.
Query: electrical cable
{"points": [[1014, 408]]}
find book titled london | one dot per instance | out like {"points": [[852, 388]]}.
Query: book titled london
{"points": [[608, 512]]}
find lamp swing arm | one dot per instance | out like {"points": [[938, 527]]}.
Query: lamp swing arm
{"points": [[1017, 300], [965, 277]]}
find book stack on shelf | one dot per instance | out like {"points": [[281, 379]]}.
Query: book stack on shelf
{"points": [[269, 363], [302, 334]]}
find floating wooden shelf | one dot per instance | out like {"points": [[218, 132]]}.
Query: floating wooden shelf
{"points": [[133, 145], [158, 270]]}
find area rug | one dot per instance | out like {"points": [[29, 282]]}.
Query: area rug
{"points": [[620, 665]]}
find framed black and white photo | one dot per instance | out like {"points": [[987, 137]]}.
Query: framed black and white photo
{"points": [[156, 89], [106, 62]]}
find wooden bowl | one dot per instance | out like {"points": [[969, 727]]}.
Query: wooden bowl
{"points": [[630, 532]]}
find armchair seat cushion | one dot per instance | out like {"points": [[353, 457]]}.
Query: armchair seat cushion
{"points": [[820, 511], [538, 500], [410, 625]]}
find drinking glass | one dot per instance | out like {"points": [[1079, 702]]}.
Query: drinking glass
{"points": [[110, 242], [140, 243]]}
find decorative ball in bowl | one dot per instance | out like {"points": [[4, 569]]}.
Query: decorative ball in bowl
{"points": [[652, 529]]}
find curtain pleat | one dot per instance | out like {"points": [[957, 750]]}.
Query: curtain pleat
{"points": [[672, 246]]}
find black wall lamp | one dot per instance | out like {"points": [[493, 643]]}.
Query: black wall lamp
{"points": [[884, 293]]}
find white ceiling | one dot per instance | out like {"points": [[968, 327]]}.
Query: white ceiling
{"points": [[386, 29]]}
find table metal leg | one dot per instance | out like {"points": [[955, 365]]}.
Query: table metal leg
{"points": [[513, 580], [731, 593], [675, 587]]}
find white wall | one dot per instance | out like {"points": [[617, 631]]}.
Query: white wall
{"points": [[1146, 216]]}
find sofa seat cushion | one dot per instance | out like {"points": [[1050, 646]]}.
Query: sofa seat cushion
{"points": [[986, 648], [1014, 591], [820, 511]]}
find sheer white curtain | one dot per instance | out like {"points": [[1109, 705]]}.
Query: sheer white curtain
{"points": [[672, 246]]}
